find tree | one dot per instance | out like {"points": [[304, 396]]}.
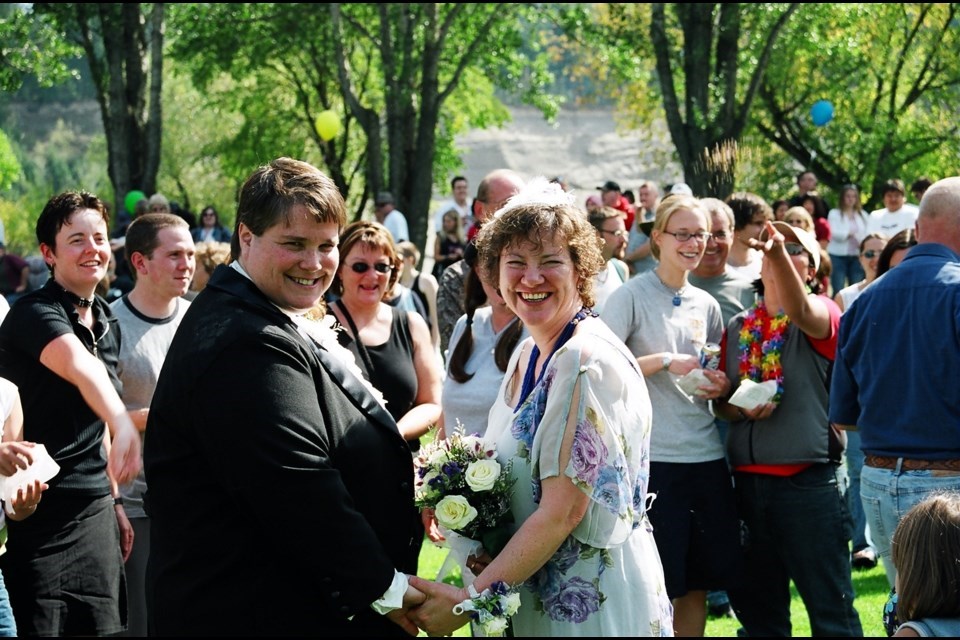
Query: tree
{"points": [[124, 50], [892, 73], [32, 46], [404, 78]]}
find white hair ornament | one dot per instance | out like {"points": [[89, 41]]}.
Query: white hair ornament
{"points": [[540, 191]]}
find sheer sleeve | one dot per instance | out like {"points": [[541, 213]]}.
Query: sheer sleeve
{"points": [[608, 459]]}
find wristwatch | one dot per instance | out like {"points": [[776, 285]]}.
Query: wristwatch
{"points": [[666, 361]]}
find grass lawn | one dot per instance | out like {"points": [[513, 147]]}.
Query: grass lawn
{"points": [[870, 587]]}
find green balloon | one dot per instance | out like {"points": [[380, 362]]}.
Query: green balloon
{"points": [[130, 202]]}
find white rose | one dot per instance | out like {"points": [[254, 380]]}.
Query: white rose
{"points": [[454, 512], [495, 627], [510, 603], [482, 474]]}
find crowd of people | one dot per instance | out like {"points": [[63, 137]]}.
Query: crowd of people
{"points": [[696, 400]]}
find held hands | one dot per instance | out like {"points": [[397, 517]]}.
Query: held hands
{"points": [[411, 599], [435, 615]]}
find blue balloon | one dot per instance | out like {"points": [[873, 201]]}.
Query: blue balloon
{"points": [[821, 112]]}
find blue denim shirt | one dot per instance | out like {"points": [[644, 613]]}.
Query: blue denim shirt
{"points": [[897, 371]]}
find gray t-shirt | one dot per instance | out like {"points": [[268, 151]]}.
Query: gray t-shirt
{"points": [[642, 314], [143, 347], [733, 290]]}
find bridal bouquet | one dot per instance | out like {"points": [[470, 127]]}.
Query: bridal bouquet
{"points": [[461, 479]]}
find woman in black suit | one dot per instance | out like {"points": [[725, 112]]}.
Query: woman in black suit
{"points": [[286, 511]]}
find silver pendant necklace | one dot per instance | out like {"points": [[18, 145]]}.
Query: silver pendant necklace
{"points": [[677, 293]]}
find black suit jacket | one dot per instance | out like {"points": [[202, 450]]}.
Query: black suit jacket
{"points": [[283, 507]]}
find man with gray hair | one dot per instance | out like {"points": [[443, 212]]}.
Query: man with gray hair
{"points": [[892, 385]]}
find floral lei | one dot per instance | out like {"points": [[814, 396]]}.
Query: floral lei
{"points": [[761, 345]]}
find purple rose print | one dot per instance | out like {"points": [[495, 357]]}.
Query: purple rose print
{"points": [[576, 600], [588, 453]]}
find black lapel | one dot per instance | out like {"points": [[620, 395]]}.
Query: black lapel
{"points": [[354, 389]]}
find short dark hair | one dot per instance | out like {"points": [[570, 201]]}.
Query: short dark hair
{"points": [[745, 206], [143, 234], [455, 180], [273, 190], [58, 210]]}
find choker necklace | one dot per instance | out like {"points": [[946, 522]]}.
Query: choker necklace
{"points": [[677, 293], [77, 300]]}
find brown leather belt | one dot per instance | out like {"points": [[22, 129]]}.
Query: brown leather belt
{"points": [[887, 462]]}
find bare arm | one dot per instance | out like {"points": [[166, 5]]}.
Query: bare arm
{"points": [[426, 408], [562, 507], [68, 358], [806, 311]]}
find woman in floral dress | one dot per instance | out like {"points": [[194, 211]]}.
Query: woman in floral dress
{"points": [[574, 417]]}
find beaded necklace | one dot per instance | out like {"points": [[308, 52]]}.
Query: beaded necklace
{"points": [[761, 346]]}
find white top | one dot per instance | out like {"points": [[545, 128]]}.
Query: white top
{"points": [[466, 216], [469, 402], [606, 282], [889, 223], [396, 224], [846, 232], [752, 269]]}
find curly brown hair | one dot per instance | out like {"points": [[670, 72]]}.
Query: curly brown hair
{"points": [[533, 223]]}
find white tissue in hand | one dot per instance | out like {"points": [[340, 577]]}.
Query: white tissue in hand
{"points": [[691, 383], [43, 468], [751, 394]]}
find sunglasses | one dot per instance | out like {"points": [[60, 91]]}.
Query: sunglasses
{"points": [[379, 267], [793, 248], [870, 254]]}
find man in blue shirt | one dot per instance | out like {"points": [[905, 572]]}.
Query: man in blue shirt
{"points": [[897, 372]]}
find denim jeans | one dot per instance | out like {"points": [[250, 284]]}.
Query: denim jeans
{"points": [[846, 270], [797, 528], [8, 626], [854, 458], [888, 494]]}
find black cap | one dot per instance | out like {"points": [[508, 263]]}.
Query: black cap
{"points": [[384, 197], [609, 185]]}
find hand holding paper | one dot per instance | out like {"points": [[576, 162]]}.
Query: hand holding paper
{"points": [[41, 470], [750, 394]]}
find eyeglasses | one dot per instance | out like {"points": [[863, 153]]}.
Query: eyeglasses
{"points": [[209, 214], [793, 248], [619, 233], [870, 254], [719, 236], [683, 236], [379, 267]]}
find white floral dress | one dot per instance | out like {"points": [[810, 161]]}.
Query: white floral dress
{"points": [[606, 579]]}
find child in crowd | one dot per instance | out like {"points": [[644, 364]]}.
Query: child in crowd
{"points": [[926, 554]]}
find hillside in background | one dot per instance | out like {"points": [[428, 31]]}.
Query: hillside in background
{"points": [[584, 146]]}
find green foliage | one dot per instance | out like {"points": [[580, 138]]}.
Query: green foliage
{"points": [[9, 166], [32, 46], [892, 75]]}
